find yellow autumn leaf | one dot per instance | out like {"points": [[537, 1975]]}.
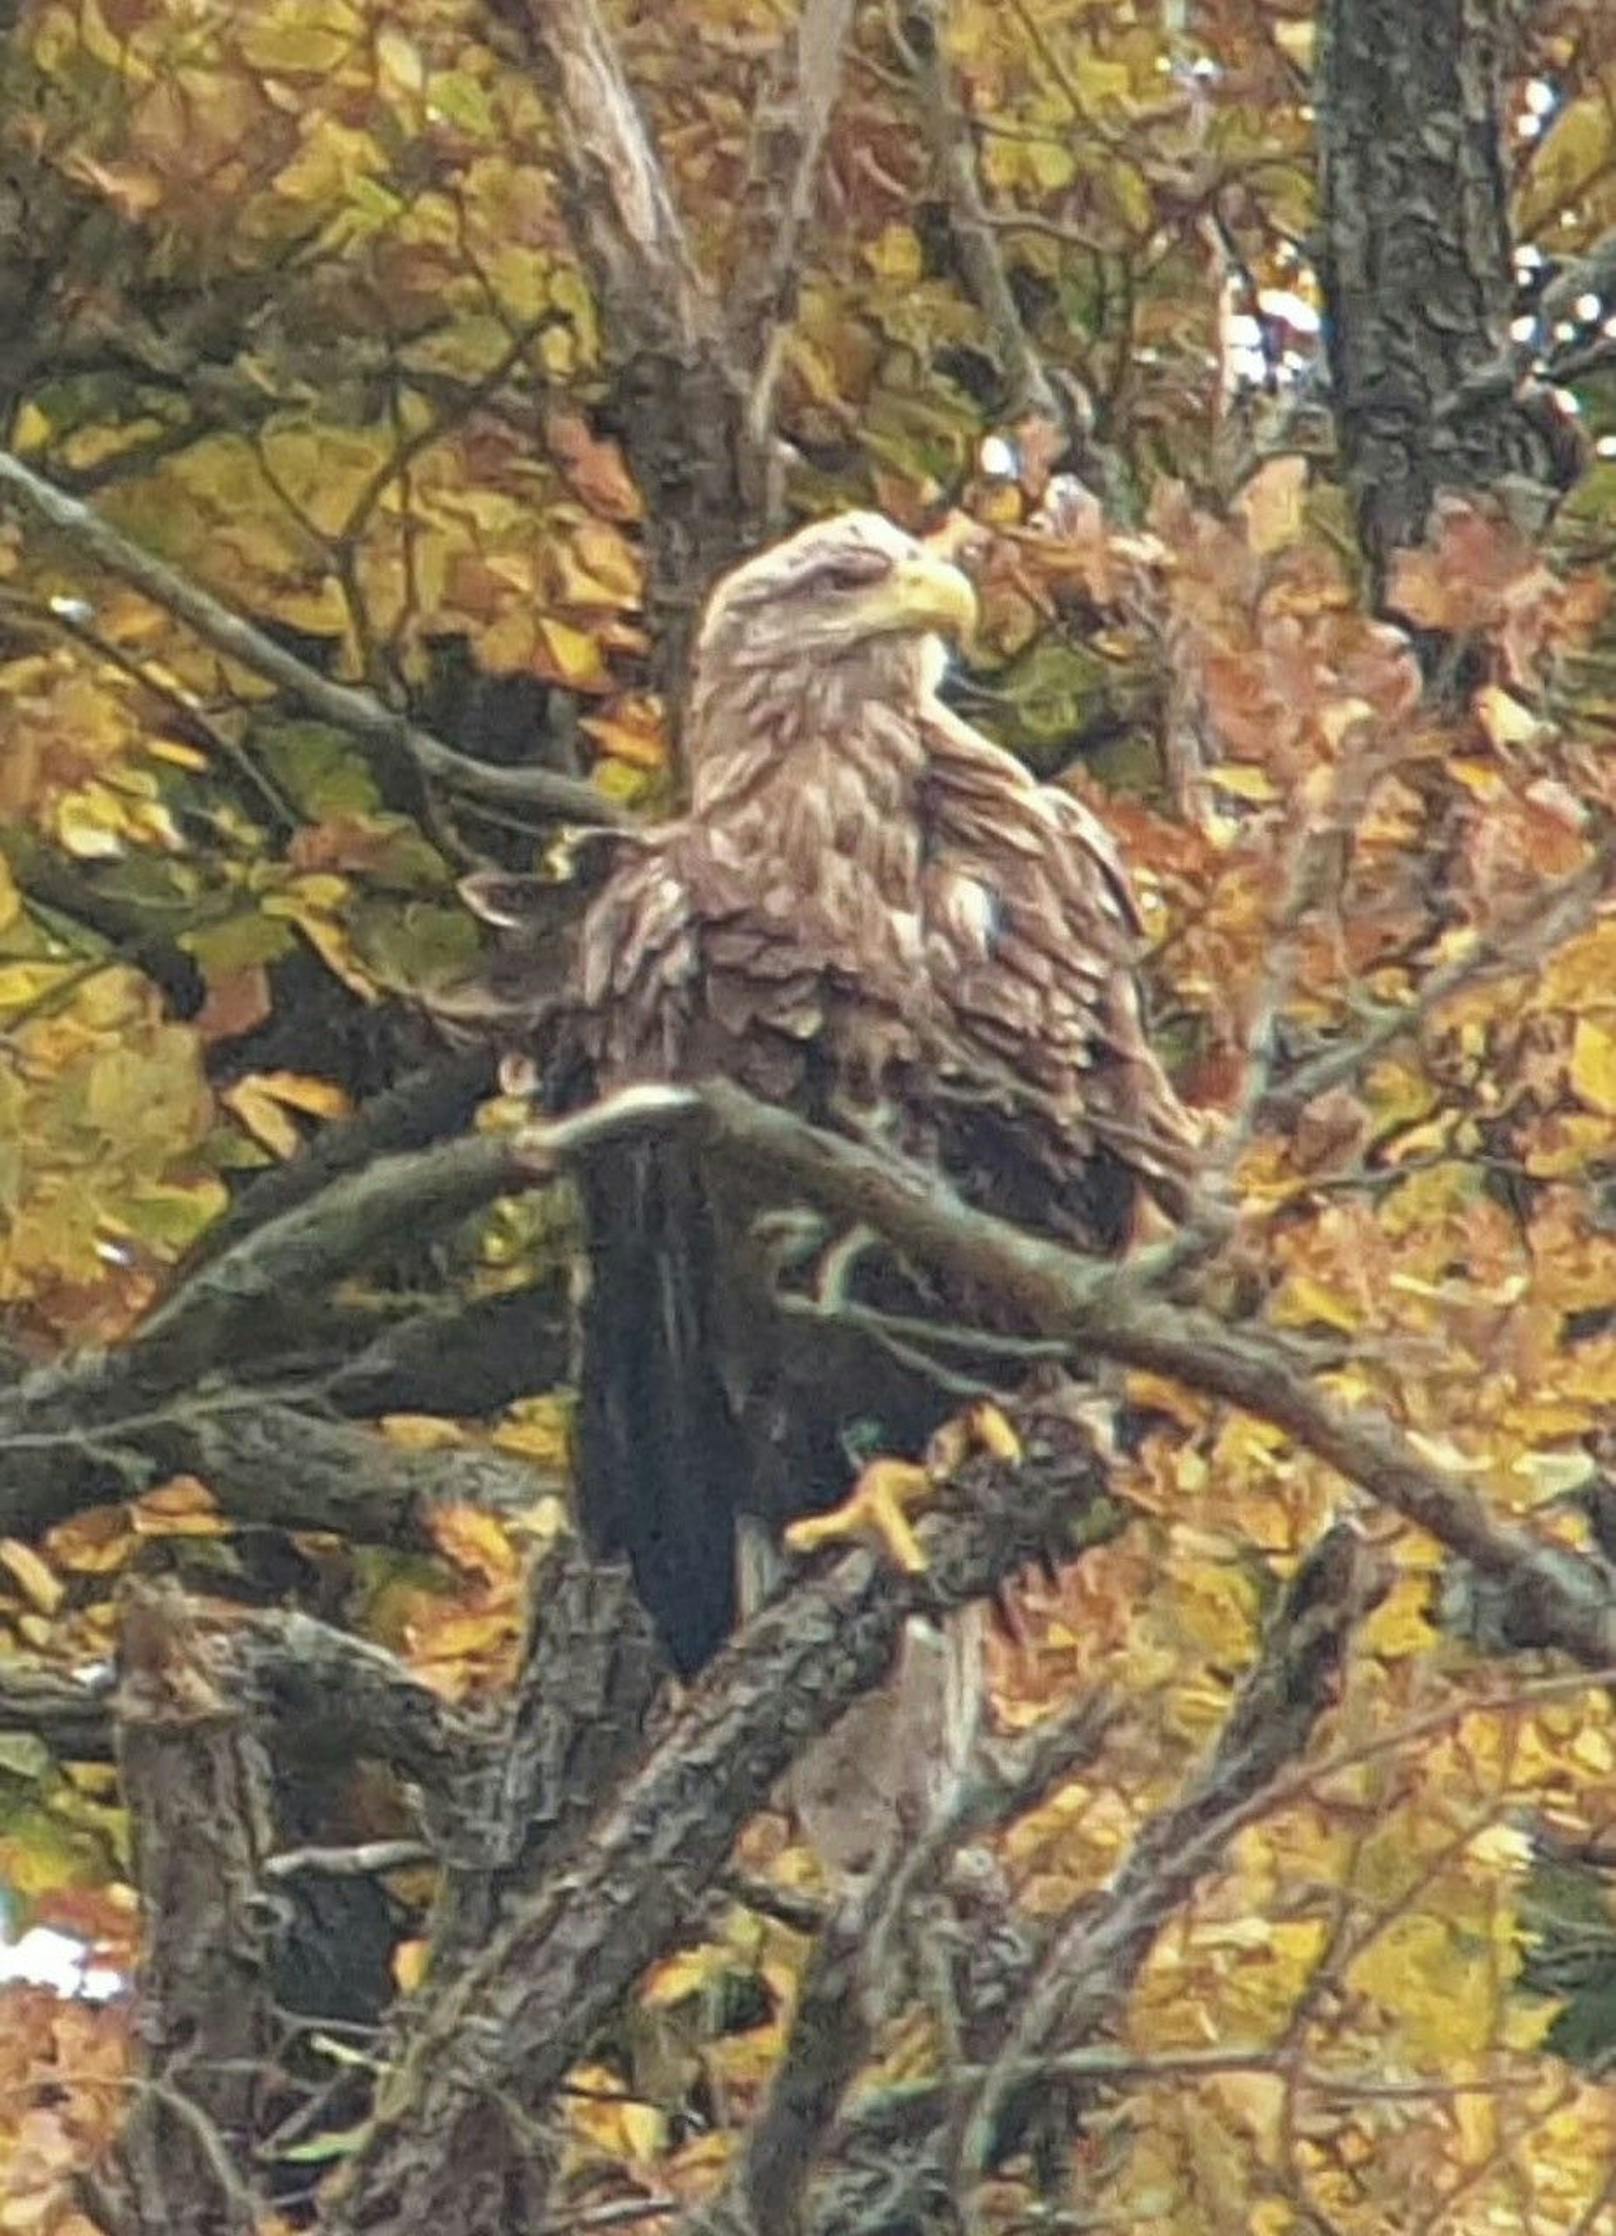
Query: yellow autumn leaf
{"points": [[22, 984], [177, 755], [320, 1098], [474, 1541], [1401, 1624], [1245, 781], [37, 1583], [92, 825], [409, 1965], [93, 1544], [330, 942], [896, 256], [1580, 973], [630, 735], [539, 1430], [509, 644], [1505, 720], [264, 1117], [421, 1432], [1272, 503], [1593, 1065], [181, 1507], [572, 656], [1304, 1300], [462, 1637], [1441, 1984], [30, 429]]}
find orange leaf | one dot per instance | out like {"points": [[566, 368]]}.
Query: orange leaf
{"points": [[594, 468], [474, 1541]]}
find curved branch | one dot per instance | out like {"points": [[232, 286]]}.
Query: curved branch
{"points": [[313, 1678], [426, 1106], [1096, 1307], [357, 713]]}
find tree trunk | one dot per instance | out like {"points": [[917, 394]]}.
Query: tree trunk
{"points": [[1417, 266]]}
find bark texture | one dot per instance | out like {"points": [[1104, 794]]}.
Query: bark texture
{"points": [[680, 399], [1417, 268], [196, 1781]]}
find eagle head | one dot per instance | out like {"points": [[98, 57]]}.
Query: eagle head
{"points": [[837, 590]]}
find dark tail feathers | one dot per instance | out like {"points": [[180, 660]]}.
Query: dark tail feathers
{"points": [[661, 1460]]}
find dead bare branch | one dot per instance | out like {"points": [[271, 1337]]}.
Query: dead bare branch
{"points": [[777, 205], [682, 398], [948, 131]]}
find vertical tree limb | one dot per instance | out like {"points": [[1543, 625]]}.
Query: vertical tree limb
{"points": [[577, 1719], [682, 400], [777, 204], [1417, 267], [506, 2032], [197, 1784]]}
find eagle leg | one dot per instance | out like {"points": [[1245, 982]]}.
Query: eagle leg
{"points": [[887, 1488]]}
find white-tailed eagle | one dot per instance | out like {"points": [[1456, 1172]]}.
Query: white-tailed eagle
{"points": [[875, 916]]}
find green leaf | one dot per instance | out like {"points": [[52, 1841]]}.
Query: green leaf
{"points": [[321, 772], [22, 1755]]}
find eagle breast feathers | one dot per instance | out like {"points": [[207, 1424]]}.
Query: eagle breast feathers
{"points": [[869, 907]]}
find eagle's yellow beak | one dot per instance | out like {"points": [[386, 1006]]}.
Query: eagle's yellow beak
{"points": [[925, 592]]}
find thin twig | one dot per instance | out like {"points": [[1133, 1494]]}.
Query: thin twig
{"points": [[948, 131]]}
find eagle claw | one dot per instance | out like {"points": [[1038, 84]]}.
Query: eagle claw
{"points": [[879, 1501], [875, 1507]]}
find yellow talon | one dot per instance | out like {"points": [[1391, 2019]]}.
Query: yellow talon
{"points": [[980, 1428], [875, 1506], [886, 1488]]}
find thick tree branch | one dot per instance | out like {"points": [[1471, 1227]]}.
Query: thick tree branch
{"points": [[1416, 265], [95, 1428], [320, 1685], [73, 1718], [1109, 1310], [428, 1106], [830, 2038], [82, 1438], [539, 791], [575, 1721], [509, 2028], [346, 1694], [197, 1785], [238, 1296]]}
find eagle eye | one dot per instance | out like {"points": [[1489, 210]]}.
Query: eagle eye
{"points": [[855, 573]]}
